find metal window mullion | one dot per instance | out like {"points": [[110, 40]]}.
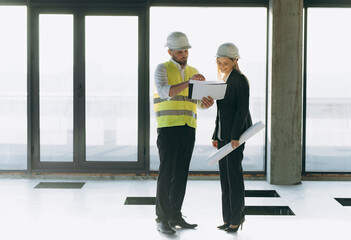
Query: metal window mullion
{"points": [[304, 97], [34, 89], [78, 91]]}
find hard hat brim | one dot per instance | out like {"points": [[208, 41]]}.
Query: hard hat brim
{"points": [[226, 56], [178, 48]]}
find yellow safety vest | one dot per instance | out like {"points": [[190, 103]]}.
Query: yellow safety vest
{"points": [[178, 110]]}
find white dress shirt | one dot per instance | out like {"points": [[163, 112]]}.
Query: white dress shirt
{"points": [[219, 113], [161, 80]]}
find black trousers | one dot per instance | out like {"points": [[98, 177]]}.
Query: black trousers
{"points": [[232, 185], [175, 147]]}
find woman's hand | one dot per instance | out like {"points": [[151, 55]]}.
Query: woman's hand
{"points": [[198, 77], [206, 102], [215, 143], [235, 143]]}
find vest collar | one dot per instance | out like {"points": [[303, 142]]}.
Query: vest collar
{"points": [[178, 65]]}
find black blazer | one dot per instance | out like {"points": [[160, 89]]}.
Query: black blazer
{"points": [[233, 110]]}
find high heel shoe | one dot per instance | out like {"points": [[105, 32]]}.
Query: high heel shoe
{"points": [[229, 229], [224, 226]]}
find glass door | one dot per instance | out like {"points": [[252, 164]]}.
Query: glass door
{"points": [[56, 87], [111, 96], [86, 74]]}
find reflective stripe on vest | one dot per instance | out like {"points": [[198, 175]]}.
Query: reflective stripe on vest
{"points": [[175, 98], [178, 110]]}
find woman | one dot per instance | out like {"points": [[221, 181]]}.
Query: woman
{"points": [[233, 118]]}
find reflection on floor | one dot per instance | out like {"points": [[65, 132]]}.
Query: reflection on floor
{"points": [[111, 209]]}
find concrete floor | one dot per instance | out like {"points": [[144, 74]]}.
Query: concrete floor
{"points": [[97, 211]]}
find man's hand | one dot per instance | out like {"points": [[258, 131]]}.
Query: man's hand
{"points": [[198, 77], [206, 102], [215, 143]]}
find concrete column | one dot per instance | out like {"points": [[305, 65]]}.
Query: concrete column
{"points": [[284, 125]]}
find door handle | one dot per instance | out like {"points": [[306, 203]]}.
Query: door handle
{"points": [[80, 90]]}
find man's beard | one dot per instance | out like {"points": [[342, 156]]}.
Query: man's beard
{"points": [[181, 62]]}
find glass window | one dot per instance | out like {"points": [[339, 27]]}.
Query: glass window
{"points": [[13, 88], [206, 29], [328, 115], [56, 87], [111, 88]]}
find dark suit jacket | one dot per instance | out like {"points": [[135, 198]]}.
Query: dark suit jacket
{"points": [[233, 111]]}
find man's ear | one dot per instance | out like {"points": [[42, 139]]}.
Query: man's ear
{"points": [[170, 52]]}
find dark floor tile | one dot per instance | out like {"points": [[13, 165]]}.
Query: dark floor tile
{"points": [[61, 185]]}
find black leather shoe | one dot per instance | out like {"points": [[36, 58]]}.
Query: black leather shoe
{"points": [[181, 223], [224, 226], [164, 227]]}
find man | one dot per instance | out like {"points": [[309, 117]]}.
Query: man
{"points": [[176, 118]]}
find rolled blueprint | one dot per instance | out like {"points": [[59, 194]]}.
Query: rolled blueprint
{"points": [[226, 149]]}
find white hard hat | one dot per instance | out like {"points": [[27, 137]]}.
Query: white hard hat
{"points": [[228, 50], [177, 41]]}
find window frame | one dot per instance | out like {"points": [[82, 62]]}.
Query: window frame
{"points": [[79, 165], [307, 5], [142, 8]]}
